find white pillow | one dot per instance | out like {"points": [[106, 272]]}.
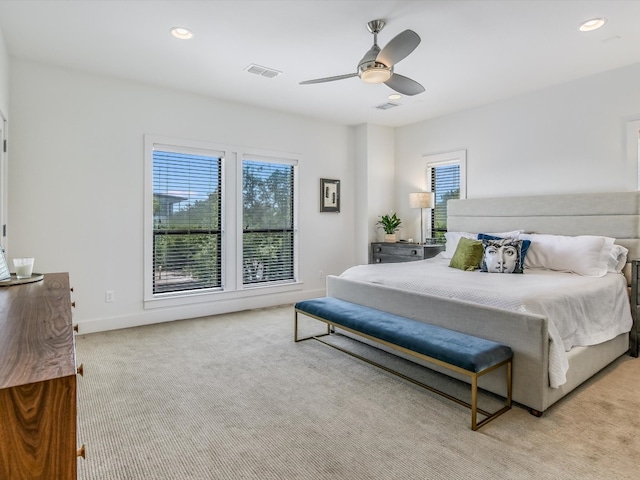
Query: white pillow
{"points": [[451, 243], [617, 259], [452, 239], [586, 255]]}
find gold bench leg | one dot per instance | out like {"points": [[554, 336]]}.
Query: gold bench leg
{"points": [[474, 402], [295, 329], [509, 382], [475, 425]]}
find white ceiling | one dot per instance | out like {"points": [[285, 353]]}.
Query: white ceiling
{"points": [[472, 52]]}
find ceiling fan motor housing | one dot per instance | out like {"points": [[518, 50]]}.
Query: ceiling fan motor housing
{"points": [[374, 71]]}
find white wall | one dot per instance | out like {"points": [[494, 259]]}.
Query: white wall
{"points": [[374, 184], [76, 184], [566, 138], [4, 77], [4, 127]]}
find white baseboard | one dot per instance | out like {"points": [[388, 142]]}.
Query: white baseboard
{"points": [[149, 317]]}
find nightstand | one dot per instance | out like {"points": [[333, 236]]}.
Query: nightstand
{"points": [[382, 252]]}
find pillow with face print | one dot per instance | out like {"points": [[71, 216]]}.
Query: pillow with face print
{"points": [[502, 256], [523, 251]]}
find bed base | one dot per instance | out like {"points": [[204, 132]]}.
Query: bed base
{"points": [[525, 333]]}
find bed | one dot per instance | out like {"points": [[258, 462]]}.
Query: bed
{"points": [[548, 363]]}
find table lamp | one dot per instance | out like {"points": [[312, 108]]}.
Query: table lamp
{"points": [[421, 200]]}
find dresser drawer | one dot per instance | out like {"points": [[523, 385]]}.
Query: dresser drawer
{"points": [[401, 252], [409, 251]]}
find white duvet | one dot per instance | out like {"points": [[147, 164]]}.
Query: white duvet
{"points": [[581, 310]]}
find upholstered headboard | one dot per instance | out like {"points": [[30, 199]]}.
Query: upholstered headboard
{"points": [[614, 215]]}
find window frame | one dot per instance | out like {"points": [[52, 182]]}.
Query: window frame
{"points": [[231, 223]]}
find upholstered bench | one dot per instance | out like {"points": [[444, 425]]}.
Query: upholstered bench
{"points": [[462, 353]]}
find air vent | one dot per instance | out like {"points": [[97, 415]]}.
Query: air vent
{"points": [[262, 71], [387, 106]]}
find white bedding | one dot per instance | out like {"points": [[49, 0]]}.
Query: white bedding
{"points": [[581, 310]]}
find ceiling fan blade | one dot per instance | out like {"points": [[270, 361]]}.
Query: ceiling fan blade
{"points": [[404, 85], [398, 48], [328, 79]]}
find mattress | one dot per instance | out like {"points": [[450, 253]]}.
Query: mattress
{"points": [[581, 310]]}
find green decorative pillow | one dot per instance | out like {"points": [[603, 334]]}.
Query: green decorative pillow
{"points": [[468, 255]]}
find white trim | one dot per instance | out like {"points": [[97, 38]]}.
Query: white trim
{"points": [[182, 299], [147, 218], [159, 315]]}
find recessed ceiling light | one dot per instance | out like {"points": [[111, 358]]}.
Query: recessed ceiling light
{"points": [[395, 96], [182, 33], [592, 24]]}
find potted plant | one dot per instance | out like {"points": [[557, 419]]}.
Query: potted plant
{"points": [[390, 224]]}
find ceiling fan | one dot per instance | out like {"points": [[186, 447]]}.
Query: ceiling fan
{"points": [[377, 64]]}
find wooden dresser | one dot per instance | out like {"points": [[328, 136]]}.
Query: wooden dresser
{"points": [[37, 381]]}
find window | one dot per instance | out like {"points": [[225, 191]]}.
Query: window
{"points": [[220, 222], [446, 174], [445, 183], [268, 222], [187, 241]]}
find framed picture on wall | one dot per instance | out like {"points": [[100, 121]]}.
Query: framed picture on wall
{"points": [[329, 195]]}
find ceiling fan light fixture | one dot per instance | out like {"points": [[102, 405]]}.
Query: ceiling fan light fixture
{"points": [[375, 75]]}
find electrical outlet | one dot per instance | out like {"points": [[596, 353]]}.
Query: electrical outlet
{"points": [[321, 274], [109, 296]]}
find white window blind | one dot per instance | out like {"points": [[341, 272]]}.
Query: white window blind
{"points": [[268, 233], [445, 183], [186, 221]]}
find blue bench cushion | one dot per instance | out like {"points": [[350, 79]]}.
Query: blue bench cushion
{"points": [[465, 351]]}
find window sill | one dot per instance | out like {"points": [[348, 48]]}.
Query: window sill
{"points": [[183, 299]]}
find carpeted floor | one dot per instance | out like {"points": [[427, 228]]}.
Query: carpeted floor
{"points": [[233, 397]]}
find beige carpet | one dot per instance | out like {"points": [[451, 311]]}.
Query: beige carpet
{"points": [[233, 397]]}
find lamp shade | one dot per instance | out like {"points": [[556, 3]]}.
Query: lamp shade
{"points": [[421, 200]]}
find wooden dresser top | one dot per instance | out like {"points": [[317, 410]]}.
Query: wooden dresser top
{"points": [[36, 331]]}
